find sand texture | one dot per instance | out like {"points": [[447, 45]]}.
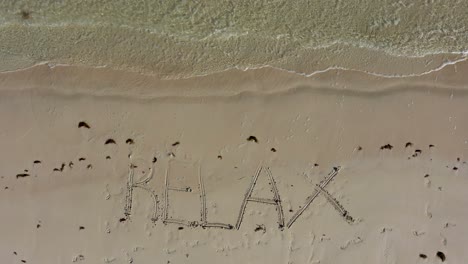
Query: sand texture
{"points": [[221, 131], [259, 166]]}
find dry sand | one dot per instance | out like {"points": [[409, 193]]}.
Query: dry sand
{"points": [[102, 166]]}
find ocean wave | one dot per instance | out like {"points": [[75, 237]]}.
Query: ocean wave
{"points": [[180, 56]]}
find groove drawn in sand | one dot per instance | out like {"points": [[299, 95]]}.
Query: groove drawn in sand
{"points": [[320, 189], [248, 198], [203, 210], [338, 207], [203, 222], [131, 185], [204, 213], [167, 188]]}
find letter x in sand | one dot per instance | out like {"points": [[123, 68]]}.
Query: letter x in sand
{"points": [[320, 189]]}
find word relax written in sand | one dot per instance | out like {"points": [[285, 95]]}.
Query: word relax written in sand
{"points": [[248, 198]]}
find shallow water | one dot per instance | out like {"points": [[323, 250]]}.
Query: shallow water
{"points": [[200, 37]]}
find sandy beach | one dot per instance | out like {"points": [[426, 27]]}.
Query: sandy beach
{"points": [[259, 166], [279, 132]]}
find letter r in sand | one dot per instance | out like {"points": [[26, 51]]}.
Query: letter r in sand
{"points": [[142, 184]]}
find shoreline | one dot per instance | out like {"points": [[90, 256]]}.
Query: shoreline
{"points": [[64, 79]]}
